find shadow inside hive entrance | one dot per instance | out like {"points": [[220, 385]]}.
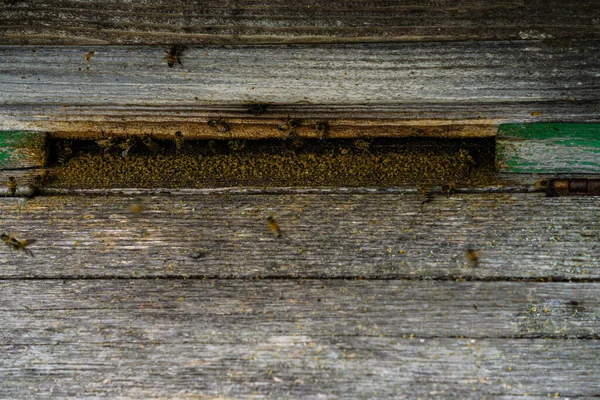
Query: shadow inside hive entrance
{"points": [[381, 162]]}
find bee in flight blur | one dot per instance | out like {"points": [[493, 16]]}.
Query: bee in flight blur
{"points": [[273, 226], [18, 245], [12, 186], [173, 56], [321, 129], [472, 258]]}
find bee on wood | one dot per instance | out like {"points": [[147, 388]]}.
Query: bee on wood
{"points": [[219, 125], [236, 145], [449, 188], [18, 245], [126, 146], [106, 145], [179, 142], [426, 194], [65, 152], [151, 145], [289, 125], [472, 258], [39, 180], [256, 109], [173, 56], [361, 145], [321, 129], [12, 186], [273, 226]]}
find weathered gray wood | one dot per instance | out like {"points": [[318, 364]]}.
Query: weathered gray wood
{"points": [[225, 22], [304, 366], [120, 89], [177, 310], [153, 338], [375, 236]]}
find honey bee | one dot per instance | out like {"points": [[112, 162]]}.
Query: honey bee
{"points": [[289, 125], [39, 180], [466, 162], [321, 129], [219, 125], [150, 144], [65, 152], [126, 146], [12, 186], [294, 141], [89, 56], [236, 145], [426, 194], [361, 145], [106, 144], [137, 208], [179, 142], [18, 245], [472, 258], [273, 226], [449, 188], [173, 56]]}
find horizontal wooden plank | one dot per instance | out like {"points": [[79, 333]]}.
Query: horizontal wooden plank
{"points": [[131, 338], [250, 21], [382, 236], [305, 366], [549, 148], [128, 88], [177, 310]]}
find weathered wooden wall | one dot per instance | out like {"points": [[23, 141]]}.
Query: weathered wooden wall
{"points": [[363, 295]]}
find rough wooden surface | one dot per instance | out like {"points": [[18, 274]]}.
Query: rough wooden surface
{"points": [[298, 338], [520, 236], [259, 21], [119, 89]]}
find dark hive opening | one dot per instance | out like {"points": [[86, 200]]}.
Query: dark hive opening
{"points": [[383, 162]]}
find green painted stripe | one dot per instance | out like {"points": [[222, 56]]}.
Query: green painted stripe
{"points": [[549, 148], [21, 149]]}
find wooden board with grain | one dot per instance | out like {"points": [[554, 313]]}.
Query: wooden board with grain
{"points": [[549, 148], [310, 339], [123, 90], [306, 21], [377, 236]]}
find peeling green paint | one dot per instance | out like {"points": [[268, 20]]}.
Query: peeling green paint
{"points": [[550, 148], [20, 148]]}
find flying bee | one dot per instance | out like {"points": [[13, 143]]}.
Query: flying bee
{"points": [[361, 145], [173, 56], [219, 125], [126, 146], [89, 55], [273, 226], [289, 125], [65, 152], [106, 145], [236, 145], [179, 142], [472, 258], [321, 129], [449, 188], [18, 245], [150, 144], [12, 186]]}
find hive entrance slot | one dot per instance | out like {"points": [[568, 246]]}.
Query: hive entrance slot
{"points": [[381, 162]]}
